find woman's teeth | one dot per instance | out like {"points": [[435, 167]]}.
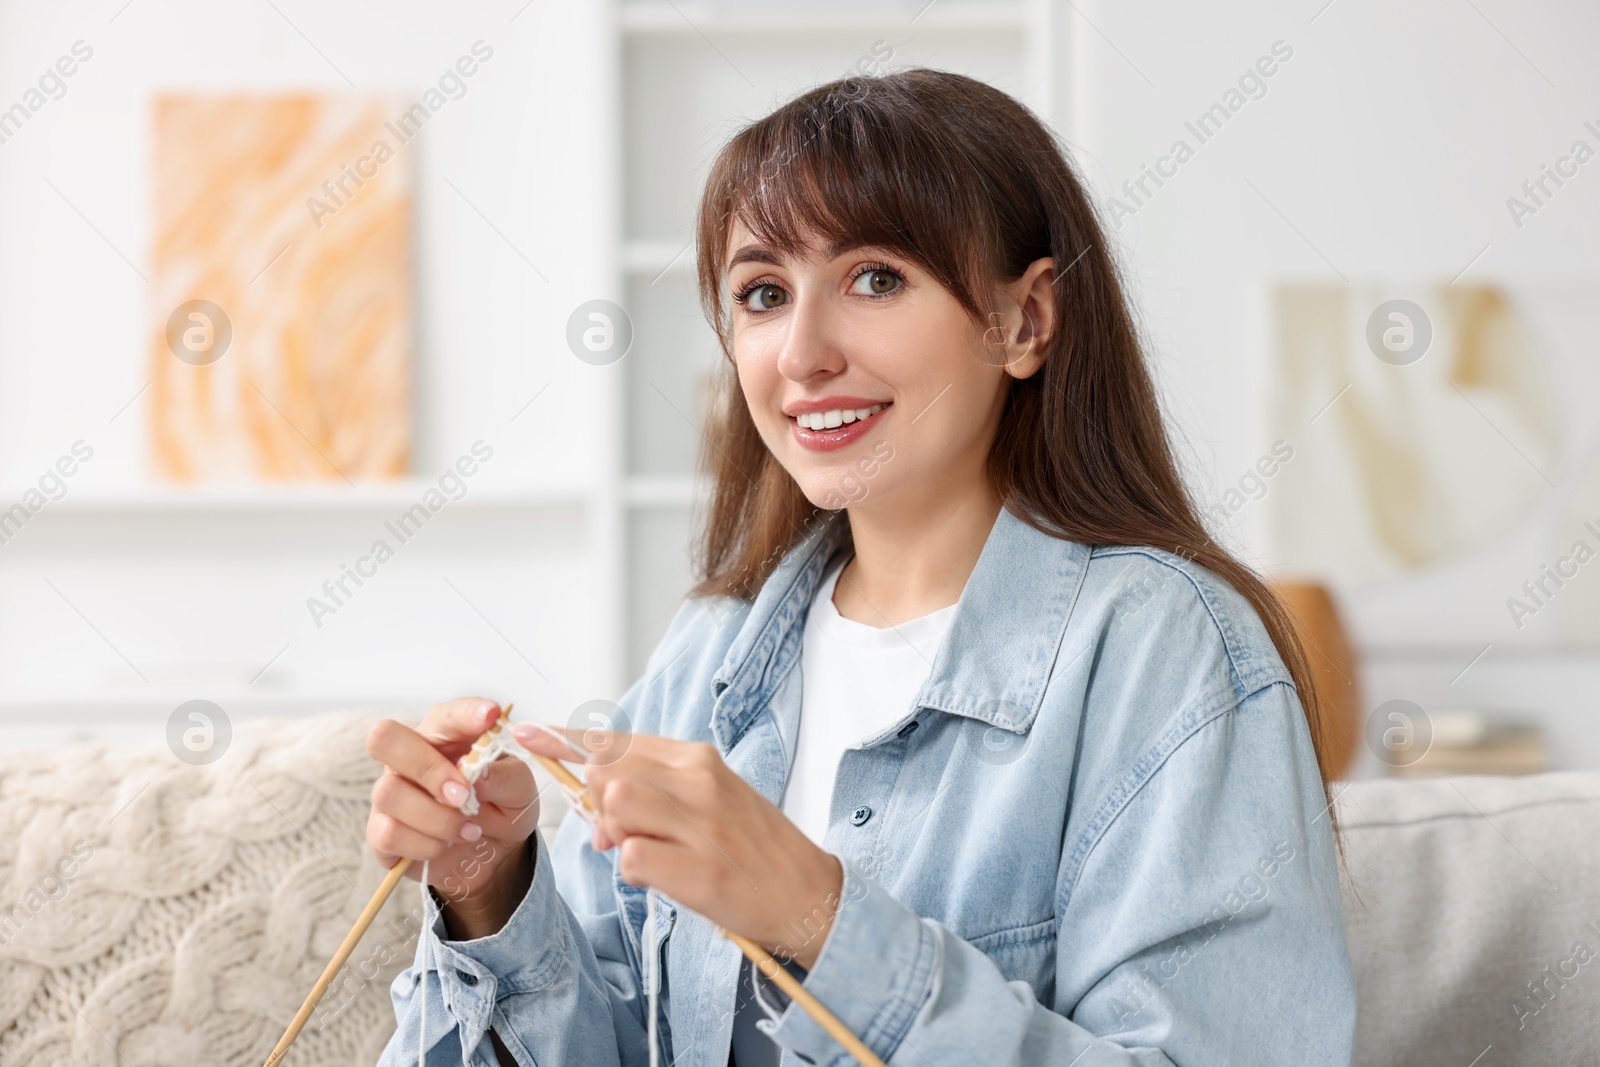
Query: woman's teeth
{"points": [[828, 420]]}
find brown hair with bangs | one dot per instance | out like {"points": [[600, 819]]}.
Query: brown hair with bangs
{"points": [[964, 181]]}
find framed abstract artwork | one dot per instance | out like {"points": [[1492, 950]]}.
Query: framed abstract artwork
{"points": [[280, 339]]}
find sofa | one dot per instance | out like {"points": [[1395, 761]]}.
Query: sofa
{"points": [[158, 912]]}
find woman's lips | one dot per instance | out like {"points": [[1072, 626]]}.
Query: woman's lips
{"points": [[830, 440]]}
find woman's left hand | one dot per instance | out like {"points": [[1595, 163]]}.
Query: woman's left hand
{"points": [[685, 824]]}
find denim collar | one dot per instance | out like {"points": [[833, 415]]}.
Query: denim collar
{"points": [[993, 664]]}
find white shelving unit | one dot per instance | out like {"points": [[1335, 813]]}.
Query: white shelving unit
{"points": [[329, 497], [692, 74], [552, 578]]}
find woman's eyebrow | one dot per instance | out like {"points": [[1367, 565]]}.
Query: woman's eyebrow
{"points": [[758, 254], [754, 254]]}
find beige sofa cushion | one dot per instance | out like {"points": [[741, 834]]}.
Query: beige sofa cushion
{"points": [[1472, 912], [157, 913], [160, 913]]}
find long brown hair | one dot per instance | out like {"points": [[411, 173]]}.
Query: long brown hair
{"points": [[964, 181]]}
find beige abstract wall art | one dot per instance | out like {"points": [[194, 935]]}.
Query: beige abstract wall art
{"points": [[280, 338], [1400, 468]]}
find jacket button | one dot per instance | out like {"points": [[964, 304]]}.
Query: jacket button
{"points": [[860, 815], [467, 977]]}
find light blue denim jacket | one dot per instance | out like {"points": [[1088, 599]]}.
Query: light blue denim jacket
{"points": [[1098, 837]]}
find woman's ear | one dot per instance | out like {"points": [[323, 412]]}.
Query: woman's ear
{"points": [[1019, 336]]}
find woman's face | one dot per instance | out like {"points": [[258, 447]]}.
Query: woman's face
{"points": [[865, 377]]}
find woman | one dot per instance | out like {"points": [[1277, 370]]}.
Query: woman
{"points": [[969, 720]]}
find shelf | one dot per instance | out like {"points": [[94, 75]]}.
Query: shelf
{"points": [[300, 498], [694, 18], [1461, 651], [657, 257], [157, 702], [655, 491]]}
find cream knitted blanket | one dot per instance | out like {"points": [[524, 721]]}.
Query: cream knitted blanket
{"points": [[156, 913]]}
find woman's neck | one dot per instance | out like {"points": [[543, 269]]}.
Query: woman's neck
{"points": [[913, 557]]}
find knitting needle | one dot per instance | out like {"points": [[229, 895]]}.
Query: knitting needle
{"points": [[802, 996], [348, 946], [754, 952], [351, 940]]}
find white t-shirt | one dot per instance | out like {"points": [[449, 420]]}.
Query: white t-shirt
{"points": [[855, 681]]}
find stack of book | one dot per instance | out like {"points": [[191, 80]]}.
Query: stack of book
{"points": [[1477, 742]]}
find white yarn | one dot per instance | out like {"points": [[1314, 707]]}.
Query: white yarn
{"points": [[494, 743], [427, 946], [653, 980], [773, 1012], [490, 746], [650, 968]]}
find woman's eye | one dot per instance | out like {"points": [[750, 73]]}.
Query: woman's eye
{"points": [[878, 282], [765, 297]]}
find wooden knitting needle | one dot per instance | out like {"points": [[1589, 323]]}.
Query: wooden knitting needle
{"points": [[348, 946], [754, 952], [351, 940], [802, 996]]}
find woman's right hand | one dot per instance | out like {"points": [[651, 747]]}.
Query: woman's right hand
{"points": [[480, 865]]}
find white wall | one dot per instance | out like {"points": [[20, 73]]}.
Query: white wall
{"points": [[1390, 141], [179, 600]]}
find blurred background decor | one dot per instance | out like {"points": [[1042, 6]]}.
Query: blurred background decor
{"points": [[1333, 664], [1442, 482], [1418, 743], [282, 237], [1400, 472]]}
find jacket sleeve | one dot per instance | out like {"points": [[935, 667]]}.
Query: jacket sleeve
{"points": [[1198, 922], [555, 988]]}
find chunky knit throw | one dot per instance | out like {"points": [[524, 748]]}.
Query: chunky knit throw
{"points": [[157, 913]]}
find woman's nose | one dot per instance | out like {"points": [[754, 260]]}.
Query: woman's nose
{"points": [[810, 346]]}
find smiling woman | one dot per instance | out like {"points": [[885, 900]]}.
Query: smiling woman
{"points": [[984, 750]]}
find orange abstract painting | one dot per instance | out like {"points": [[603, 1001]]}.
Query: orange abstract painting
{"points": [[280, 339]]}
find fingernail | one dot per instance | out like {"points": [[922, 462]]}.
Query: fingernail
{"points": [[524, 733], [455, 794], [485, 711], [471, 831]]}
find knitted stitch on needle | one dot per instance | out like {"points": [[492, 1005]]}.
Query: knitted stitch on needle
{"points": [[493, 743]]}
